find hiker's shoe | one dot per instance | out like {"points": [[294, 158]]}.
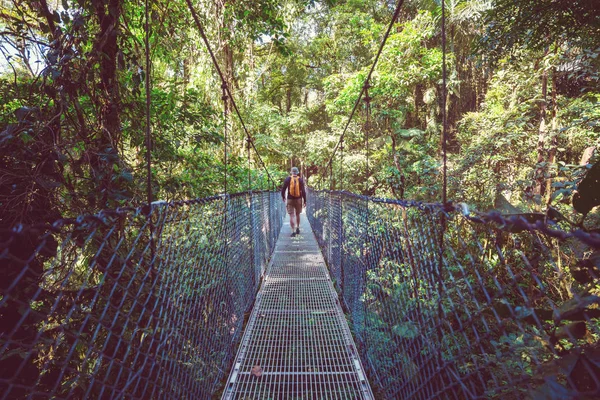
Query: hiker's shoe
{"points": [[293, 234], [297, 231]]}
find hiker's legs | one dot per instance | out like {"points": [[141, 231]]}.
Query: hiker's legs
{"points": [[291, 210], [298, 207], [294, 208]]}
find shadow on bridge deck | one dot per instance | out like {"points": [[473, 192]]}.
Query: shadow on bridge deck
{"points": [[297, 343]]}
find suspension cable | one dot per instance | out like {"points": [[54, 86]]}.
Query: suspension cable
{"points": [[226, 87], [368, 78]]}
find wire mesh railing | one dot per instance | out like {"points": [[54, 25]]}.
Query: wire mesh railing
{"points": [[97, 307], [450, 304]]}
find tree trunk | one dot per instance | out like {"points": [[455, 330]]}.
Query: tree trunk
{"points": [[226, 62], [108, 135], [108, 13]]}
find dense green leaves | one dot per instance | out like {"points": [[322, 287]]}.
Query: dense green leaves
{"points": [[523, 105], [523, 110]]}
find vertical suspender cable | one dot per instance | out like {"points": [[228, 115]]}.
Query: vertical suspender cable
{"points": [[367, 100], [250, 196], [148, 132], [331, 177], [153, 325], [439, 272], [249, 177], [367, 129], [342, 164], [148, 100], [341, 225], [225, 111], [444, 132], [329, 215], [444, 114], [226, 198]]}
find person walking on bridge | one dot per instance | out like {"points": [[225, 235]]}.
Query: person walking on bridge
{"points": [[296, 198]]}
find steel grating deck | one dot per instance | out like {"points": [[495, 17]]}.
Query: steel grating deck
{"points": [[297, 344]]}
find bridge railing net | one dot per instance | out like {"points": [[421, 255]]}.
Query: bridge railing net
{"points": [[450, 304], [96, 307]]}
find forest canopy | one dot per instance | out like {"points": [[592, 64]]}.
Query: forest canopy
{"points": [[504, 95], [523, 101]]}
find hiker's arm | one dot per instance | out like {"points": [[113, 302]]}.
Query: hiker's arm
{"points": [[304, 191], [286, 183]]}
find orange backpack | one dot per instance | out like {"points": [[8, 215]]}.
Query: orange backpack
{"points": [[295, 186]]}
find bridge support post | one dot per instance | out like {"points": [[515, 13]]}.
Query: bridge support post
{"points": [[329, 232]]}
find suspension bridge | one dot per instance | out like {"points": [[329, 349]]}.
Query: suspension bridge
{"points": [[376, 299], [151, 302]]}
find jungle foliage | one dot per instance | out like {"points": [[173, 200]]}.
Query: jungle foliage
{"points": [[523, 91], [523, 107]]}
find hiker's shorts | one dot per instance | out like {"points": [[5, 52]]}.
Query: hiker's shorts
{"points": [[294, 206]]}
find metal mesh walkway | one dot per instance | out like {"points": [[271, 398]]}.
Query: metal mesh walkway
{"points": [[297, 343]]}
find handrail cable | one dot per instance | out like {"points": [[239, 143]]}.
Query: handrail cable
{"points": [[366, 82], [226, 87]]}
